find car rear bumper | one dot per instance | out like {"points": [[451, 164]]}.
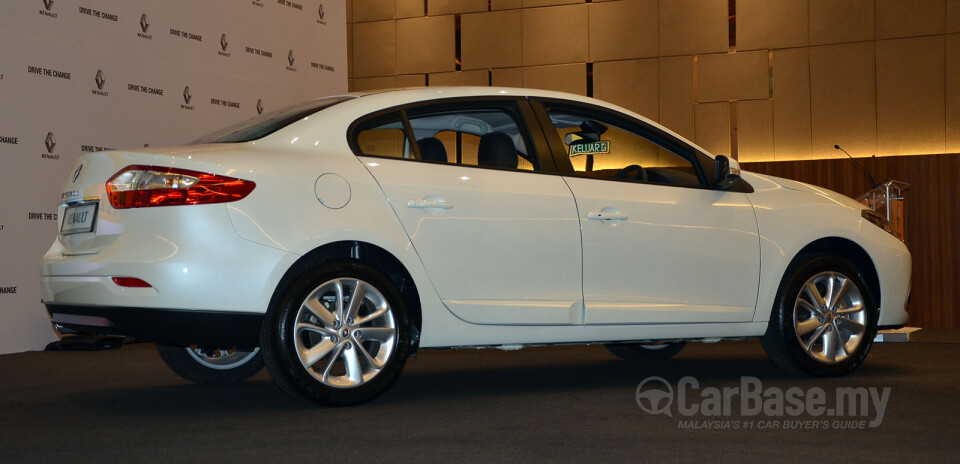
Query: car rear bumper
{"points": [[171, 326], [191, 257]]}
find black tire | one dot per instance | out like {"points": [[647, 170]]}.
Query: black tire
{"points": [[211, 366], [645, 351], [282, 343], [788, 350]]}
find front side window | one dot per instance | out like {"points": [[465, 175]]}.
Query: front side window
{"points": [[600, 146], [474, 135]]}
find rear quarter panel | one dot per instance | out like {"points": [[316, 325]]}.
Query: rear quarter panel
{"points": [[284, 212]]}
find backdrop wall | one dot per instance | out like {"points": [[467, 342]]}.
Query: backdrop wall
{"points": [[759, 80], [79, 76]]}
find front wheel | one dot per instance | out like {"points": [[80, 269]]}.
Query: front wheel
{"points": [[211, 365], [824, 319], [338, 336]]}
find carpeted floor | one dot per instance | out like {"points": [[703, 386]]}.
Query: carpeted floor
{"points": [[566, 404]]}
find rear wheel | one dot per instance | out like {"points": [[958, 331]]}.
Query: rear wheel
{"points": [[824, 319], [338, 336], [211, 365], [645, 351]]}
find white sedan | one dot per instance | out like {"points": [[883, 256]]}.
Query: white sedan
{"points": [[333, 239]]}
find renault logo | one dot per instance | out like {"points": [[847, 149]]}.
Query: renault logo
{"points": [[100, 80], [48, 4], [223, 42], [186, 95], [259, 106], [144, 24], [50, 142], [321, 12], [77, 173], [290, 57]]}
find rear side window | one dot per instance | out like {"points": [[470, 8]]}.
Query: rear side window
{"points": [[473, 135], [384, 136]]}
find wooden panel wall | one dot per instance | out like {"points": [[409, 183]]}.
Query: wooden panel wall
{"points": [[932, 213], [879, 77]]}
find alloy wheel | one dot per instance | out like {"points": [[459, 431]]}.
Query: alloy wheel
{"points": [[830, 317], [220, 358], [345, 332]]}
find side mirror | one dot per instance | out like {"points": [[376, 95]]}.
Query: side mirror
{"points": [[726, 172]]}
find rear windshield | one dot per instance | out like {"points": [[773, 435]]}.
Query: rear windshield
{"points": [[268, 123]]}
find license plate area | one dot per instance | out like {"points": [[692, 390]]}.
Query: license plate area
{"points": [[79, 218]]}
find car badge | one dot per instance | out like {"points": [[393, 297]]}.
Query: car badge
{"points": [[77, 173]]}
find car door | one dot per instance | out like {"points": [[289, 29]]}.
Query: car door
{"points": [[495, 227], [659, 245]]}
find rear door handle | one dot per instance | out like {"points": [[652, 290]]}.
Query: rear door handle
{"points": [[429, 204], [607, 216]]}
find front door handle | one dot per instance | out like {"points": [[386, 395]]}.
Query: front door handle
{"points": [[429, 204], [607, 216]]}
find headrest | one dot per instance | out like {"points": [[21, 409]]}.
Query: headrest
{"points": [[497, 149], [432, 150]]}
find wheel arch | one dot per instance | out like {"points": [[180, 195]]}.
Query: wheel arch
{"points": [[849, 250], [368, 253]]}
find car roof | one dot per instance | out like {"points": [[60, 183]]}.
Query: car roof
{"points": [[385, 98]]}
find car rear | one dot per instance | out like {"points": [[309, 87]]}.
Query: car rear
{"points": [[146, 249]]}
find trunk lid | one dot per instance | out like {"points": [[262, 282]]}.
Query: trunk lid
{"points": [[87, 223]]}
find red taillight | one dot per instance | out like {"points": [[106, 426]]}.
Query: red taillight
{"points": [[130, 282], [143, 186]]}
